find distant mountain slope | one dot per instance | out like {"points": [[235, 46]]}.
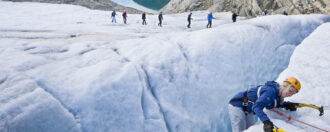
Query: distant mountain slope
{"points": [[92, 4], [251, 7]]}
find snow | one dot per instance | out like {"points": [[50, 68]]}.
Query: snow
{"points": [[68, 68]]}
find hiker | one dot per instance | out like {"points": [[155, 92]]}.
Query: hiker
{"points": [[209, 18], [124, 16], [113, 15], [160, 18], [144, 18], [189, 20], [234, 16], [244, 105], [265, 12], [285, 13]]}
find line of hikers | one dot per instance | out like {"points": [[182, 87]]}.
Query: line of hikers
{"points": [[160, 18], [144, 22]]}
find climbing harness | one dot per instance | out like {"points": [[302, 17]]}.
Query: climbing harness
{"points": [[244, 100]]}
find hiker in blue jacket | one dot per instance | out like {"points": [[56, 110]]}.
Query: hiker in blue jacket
{"points": [[209, 19], [244, 105]]}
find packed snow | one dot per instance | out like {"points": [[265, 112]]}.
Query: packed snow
{"points": [[68, 68]]}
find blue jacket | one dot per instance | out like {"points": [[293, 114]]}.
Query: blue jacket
{"points": [[269, 98], [210, 17]]}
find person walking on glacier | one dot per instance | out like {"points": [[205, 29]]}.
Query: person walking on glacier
{"points": [[113, 15], [144, 22], [124, 17], [244, 105], [189, 20], [265, 12], [160, 18], [234, 16], [209, 19]]}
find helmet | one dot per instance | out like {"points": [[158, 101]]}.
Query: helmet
{"points": [[294, 82]]}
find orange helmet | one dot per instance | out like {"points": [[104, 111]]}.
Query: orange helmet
{"points": [[294, 82]]}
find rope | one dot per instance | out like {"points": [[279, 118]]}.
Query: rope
{"points": [[289, 118]]}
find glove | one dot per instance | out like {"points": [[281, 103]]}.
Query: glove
{"points": [[290, 106], [268, 126]]}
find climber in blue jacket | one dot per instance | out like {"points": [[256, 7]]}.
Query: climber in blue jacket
{"points": [[244, 105]]}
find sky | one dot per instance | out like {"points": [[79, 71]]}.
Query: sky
{"points": [[78, 71]]}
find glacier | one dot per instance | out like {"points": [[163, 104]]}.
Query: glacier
{"points": [[78, 71]]}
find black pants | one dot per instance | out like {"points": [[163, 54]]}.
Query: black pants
{"points": [[188, 23], [144, 22], [124, 20], [234, 19], [160, 23], [209, 24]]}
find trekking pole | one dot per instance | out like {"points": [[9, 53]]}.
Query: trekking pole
{"points": [[289, 118], [311, 106]]}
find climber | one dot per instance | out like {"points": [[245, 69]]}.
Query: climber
{"points": [[244, 105]]}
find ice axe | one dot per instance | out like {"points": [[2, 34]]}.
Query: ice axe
{"points": [[311, 106], [278, 130]]}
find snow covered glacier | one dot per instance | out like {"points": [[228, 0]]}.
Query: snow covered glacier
{"points": [[78, 72]]}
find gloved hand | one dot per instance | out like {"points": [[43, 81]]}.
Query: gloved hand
{"points": [[290, 106], [268, 126]]}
